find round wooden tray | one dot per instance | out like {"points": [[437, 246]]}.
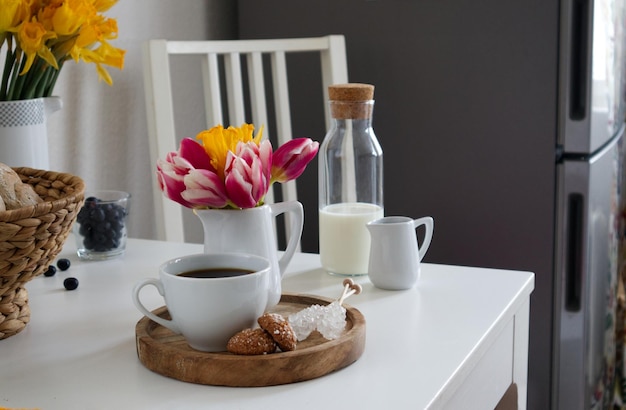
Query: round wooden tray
{"points": [[167, 353]]}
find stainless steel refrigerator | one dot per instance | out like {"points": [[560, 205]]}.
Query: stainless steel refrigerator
{"points": [[503, 120]]}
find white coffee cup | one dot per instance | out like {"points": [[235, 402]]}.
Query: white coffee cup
{"points": [[207, 311]]}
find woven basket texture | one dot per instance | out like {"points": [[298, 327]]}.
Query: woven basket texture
{"points": [[31, 237]]}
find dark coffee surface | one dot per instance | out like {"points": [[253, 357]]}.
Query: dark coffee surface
{"points": [[215, 273]]}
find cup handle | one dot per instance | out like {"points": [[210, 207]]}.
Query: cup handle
{"points": [[428, 223], [295, 218], [157, 284]]}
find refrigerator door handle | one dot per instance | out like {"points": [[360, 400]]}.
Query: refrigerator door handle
{"points": [[579, 59], [574, 251]]}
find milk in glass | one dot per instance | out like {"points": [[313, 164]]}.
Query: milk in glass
{"points": [[344, 239]]}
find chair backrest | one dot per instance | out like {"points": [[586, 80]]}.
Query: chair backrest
{"points": [[160, 112]]}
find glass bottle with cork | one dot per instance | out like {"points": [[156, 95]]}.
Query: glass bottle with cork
{"points": [[350, 180]]}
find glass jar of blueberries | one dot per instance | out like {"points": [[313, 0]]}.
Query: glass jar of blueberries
{"points": [[100, 227]]}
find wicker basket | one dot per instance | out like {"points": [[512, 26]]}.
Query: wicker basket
{"points": [[31, 237]]}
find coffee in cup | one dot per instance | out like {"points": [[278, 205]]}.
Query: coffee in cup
{"points": [[213, 273]]}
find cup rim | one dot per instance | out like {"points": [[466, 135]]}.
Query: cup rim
{"points": [[257, 272]]}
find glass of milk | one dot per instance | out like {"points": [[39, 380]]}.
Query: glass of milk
{"points": [[350, 181]]}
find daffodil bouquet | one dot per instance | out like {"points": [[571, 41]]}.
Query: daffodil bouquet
{"points": [[38, 36], [230, 168]]}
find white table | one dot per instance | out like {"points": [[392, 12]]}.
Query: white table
{"points": [[457, 340]]}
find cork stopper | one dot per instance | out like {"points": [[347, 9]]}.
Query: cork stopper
{"points": [[351, 101], [351, 92]]}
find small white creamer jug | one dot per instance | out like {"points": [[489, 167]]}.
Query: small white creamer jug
{"points": [[395, 257]]}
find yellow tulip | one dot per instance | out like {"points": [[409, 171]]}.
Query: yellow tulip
{"points": [[218, 142]]}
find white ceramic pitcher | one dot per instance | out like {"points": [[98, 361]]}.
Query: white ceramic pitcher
{"points": [[395, 256], [252, 231]]}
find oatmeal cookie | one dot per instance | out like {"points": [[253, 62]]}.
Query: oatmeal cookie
{"points": [[251, 342], [280, 330]]}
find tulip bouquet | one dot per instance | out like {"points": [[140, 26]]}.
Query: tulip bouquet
{"points": [[38, 36], [230, 168]]}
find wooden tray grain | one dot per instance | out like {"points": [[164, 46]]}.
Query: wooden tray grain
{"points": [[167, 353]]}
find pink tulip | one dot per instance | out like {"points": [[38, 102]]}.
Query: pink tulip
{"points": [[290, 160], [194, 152], [170, 174], [171, 171], [204, 188], [247, 173]]}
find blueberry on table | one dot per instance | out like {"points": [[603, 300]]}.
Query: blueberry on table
{"points": [[63, 264], [52, 270], [70, 283]]}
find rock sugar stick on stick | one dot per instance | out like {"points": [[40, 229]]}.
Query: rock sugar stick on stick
{"points": [[329, 320], [350, 181]]}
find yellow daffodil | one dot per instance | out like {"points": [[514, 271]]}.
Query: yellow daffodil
{"points": [[107, 55], [103, 5], [218, 141], [111, 56], [40, 35], [72, 14], [10, 15], [94, 31], [32, 37]]}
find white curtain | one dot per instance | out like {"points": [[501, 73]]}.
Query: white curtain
{"points": [[101, 133]]}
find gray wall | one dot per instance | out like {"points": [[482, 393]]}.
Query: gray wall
{"points": [[466, 115]]}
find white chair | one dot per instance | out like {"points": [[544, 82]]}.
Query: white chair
{"points": [[160, 112]]}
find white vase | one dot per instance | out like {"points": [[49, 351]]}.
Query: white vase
{"points": [[23, 131], [252, 231]]}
